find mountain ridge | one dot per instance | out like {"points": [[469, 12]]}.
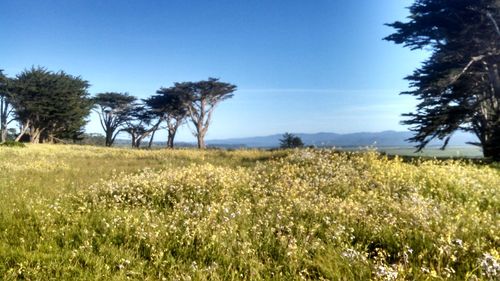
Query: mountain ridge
{"points": [[388, 138]]}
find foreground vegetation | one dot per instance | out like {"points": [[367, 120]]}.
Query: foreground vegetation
{"points": [[75, 212]]}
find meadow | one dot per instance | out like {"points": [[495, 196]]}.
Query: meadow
{"points": [[450, 152], [93, 213]]}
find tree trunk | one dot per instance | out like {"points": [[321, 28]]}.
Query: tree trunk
{"points": [[133, 141], [151, 139], [152, 131], [50, 139], [490, 140], [3, 127], [23, 130], [201, 138], [3, 118], [201, 142], [170, 138], [492, 151], [109, 138], [35, 135], [491, 144], [494, 76], [4, 134], [137, 138]]}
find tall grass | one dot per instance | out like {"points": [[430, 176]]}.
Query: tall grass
{"points": [[70, 212]]}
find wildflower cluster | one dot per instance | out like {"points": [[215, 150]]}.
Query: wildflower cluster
{"points": [[306, 214]]}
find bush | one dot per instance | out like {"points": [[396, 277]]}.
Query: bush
{"points": [[11, 143]]}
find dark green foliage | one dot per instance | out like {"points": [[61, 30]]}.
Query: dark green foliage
{"points": [[11, 143], [50, 106], [114, 110], [168, 106], [459, 85], [141, 124], [291, 141]]}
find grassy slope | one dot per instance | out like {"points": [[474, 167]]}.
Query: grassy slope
{"points": [[72, 212]]}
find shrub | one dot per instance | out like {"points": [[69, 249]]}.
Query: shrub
{"points": [[11, 143]]}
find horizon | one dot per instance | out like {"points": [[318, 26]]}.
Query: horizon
{"points": [[459, 139], [299, 66]]}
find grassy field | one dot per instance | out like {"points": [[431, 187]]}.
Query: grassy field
{"points": [[449, 152], [88, 213]]}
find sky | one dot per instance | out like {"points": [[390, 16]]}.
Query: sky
{"points": [[300, 66]]}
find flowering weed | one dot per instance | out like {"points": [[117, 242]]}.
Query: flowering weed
{"points": [[245, 215]]}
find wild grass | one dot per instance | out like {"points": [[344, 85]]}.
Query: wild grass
{"points": [[87, 213]]}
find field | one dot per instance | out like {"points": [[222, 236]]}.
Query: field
{"points": [[89, 213], [449, 152]]}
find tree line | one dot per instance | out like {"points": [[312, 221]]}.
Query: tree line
{"points": [[53, 107], [458, 88]]}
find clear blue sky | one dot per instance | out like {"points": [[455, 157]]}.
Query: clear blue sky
{"points": [[300, 66]]}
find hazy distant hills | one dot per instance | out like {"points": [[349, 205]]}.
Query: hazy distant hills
{"points": [[383, 139], [377, 139]]}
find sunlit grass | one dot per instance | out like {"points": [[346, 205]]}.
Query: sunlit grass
{"points": [[74, 212]]}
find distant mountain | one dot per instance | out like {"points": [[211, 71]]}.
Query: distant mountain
{"points": [[354, 140], [362, 139]]}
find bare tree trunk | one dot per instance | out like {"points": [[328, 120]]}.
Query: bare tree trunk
{"points": [[5, 112], [4, 134], [170, 138], [151, 139], [134, 144], [152, 131], [35, 135], [3, 125], [201, 138], [23, 130], [491, 129], [109, 138], [47, 137], [201, 142], [3, 119], [491, 144]]}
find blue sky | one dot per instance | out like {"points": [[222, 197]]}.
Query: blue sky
{"points": [[300, 66]]}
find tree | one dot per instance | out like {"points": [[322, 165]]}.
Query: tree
{"points": [[114, 110], [200, 99], [50, 106], [6, 108], [458, 87], [168, 105], [290, 141], [141, 124]]}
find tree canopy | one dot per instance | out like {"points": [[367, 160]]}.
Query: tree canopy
{"points": [[53, 106], [200, 99], [50, 105], [458, 87], [168, 105], [140, 124], [114, 110]]}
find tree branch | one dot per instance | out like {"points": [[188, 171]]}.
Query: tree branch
{"points": [[464, 70], [492, 19], [116, 134]]}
